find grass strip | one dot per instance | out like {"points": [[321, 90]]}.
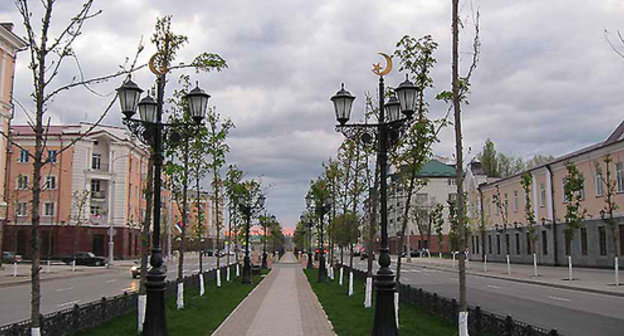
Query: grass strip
{"points": [[349, 317], [201, 314]]}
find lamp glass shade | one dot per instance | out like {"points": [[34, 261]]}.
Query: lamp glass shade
{"points": [[343, 101], [147, 109], [393, 108], [407, 96], [129, 94], [197, 101]]}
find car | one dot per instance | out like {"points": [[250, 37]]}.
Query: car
{"points": [[86, 259], [135, 270], [10, 257], [208, 252], [219, 254], [413, 253], [364, 254]]}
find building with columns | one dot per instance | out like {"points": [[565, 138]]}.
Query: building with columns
{"points": [[92, 189], [505, 227], [10, 45]]}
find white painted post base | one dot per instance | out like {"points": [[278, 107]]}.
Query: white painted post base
{"points": [[368, 297], [35, 331], [534, 265], [48, 267], [508, 264], [351, 284], [485, 263], [396, 308], [440, 255], [218, 277], [14, 269], [569, 268], [73, 265], [331, 273], [141, 311], [227, 274], [340, 276], [237, 271], [180, 300], [463, 324], [201, 284], [617, 272], [453, 259]]}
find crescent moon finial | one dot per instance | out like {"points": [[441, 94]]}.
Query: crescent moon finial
{"points": [[377, 70], [152, 66]]}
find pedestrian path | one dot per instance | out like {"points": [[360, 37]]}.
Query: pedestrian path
{"points": [[282, 304]]}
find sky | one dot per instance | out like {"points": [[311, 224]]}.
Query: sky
{"points": [[547, 82]]}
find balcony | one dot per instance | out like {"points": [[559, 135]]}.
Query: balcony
{"points": [[98, 195]]}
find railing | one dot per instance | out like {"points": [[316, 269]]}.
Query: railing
{"points": [[92, 314], [479, 323]]}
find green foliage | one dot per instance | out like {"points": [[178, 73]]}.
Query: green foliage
{"points": [[345, 228], [501, 205], [455, 239], [610, 185], [572, 189], [167, 43], [526, 182], [437, 217]]}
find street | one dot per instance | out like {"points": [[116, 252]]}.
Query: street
{"points": [[63, 293], [571, 312]]}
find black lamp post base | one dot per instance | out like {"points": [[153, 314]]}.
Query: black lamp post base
{"points": [[322, 274], [155, 323], [264, 260], [246, 279], [385, 318]]}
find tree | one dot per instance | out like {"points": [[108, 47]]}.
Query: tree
{"points": [[489, 159], [526, 182], [573, 191], [79, 214], [233, 178], [539, 160], [607, 213], [218, 130], [198, 147], [437, 218]]}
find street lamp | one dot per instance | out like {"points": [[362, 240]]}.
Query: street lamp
{"points": [[387, 132], [246, 207], [308, 223], [264, 226], [320, 207], [149, 129]]}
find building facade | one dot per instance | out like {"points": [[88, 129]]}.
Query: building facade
{"points": [[504, 224], [436, 187], [10, 45], [92, 191]]}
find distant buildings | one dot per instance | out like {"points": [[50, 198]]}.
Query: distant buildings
{"points": [[505, 228]]}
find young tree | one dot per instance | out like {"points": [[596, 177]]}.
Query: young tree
{"points": [[573, 191], [609, 185], [233, 178], [489, 159], [526, 182], [437, 219], [79, 215]]}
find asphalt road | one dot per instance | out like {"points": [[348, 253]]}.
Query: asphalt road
{"points": [[59, 294], [572, 313]]}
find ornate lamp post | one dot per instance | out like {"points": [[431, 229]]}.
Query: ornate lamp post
{"points": [[149, 129], [309, 225], [387, 131], [320, 207], [264, 253], [247, 208]]}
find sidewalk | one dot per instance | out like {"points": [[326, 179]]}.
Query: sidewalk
{"points": [[585, 279], [282, 304]]}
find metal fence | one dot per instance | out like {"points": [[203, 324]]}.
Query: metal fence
{"points": [[92, 314], [480, 322]]}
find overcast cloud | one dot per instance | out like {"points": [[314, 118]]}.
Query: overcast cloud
{"points": [[547, 83]]}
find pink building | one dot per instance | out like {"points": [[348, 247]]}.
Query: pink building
{"points": [[592, 244], [90, 190]]}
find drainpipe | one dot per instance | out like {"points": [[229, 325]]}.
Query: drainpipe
{"points": [[552, 212], [482, 223]]}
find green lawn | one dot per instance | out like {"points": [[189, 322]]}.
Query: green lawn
{"points": [[201, 314], [349, 317]]}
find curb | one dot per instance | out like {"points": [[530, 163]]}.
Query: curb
{"points": [[533, 282]]}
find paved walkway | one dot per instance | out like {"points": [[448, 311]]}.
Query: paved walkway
{"points": [[282, 304]]}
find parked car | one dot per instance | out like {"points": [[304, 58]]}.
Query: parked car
{"points": [[86, 259], [413, 253], [10, 257], [208, 252], [364, 254]]}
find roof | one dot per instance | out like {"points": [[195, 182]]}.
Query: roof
{"points": [[435, 168], [6, 33]]}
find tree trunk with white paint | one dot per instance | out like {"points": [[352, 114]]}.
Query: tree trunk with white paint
{"points": [[218, 277], [341, 275], [180, 299], [368, 298], [351, 284], [201, 284], [141, 311]]}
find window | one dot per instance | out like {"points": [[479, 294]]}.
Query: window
{"points": [[515, 201], [420, 198], [96, 161], [517, 243], [542, 195], [490, 244], [24, 156], [496, 209], [619, 173], [21, 209], [22, 182], [477, 244], [50, 182], [451, 181], [528, 242], [48, 209], [95, 210], [545, 242], [52, 155], [582, 191], [602, 236], [507, 244], [599, 185], [583, 242], [563, 183], [489, 204], [452, 197], [498, 250], [96, 185]]}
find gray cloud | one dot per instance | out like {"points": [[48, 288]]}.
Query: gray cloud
{"points": [[547, 82]]}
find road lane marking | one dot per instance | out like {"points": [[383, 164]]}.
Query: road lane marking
{"points": [[559, 299], [492, 286], [64, 289], [111, 280], [67, 303]]}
